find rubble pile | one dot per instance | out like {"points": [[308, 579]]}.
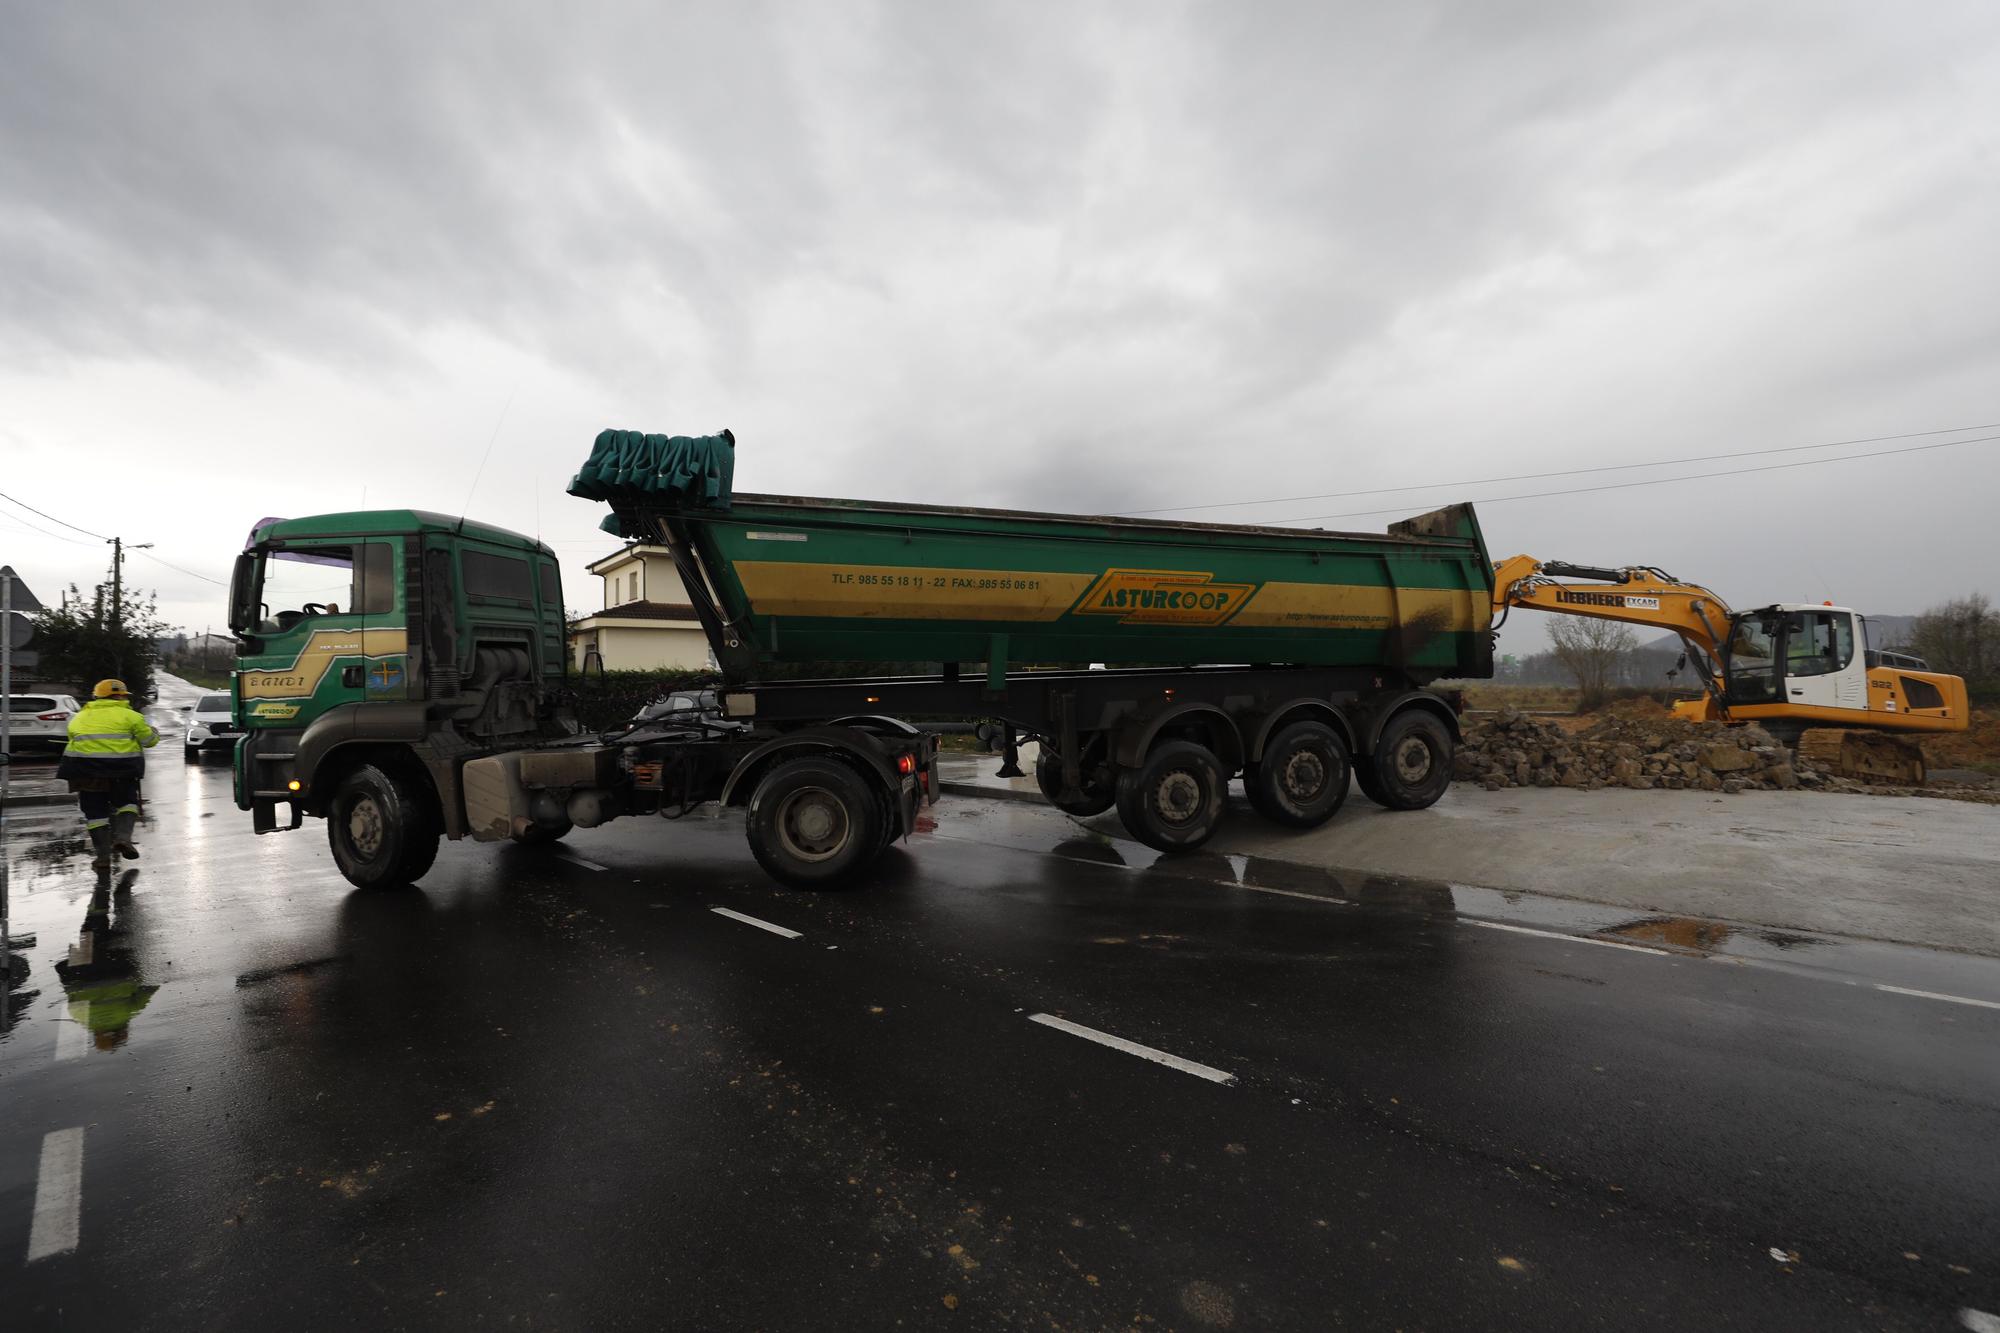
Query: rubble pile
{"points": [[1512, 749]]}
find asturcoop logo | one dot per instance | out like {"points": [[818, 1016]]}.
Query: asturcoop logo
{"points": [[1162, 597]]}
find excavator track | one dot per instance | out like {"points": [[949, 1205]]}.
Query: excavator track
{"points": [[1866, 756]]}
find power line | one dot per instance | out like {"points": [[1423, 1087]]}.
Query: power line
{"points": [[177, 569], [1565, 472], [1663, 481], [26, 526], [52, 518], [88, 533]]}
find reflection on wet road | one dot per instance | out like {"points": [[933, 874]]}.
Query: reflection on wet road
{"points": [[1029, 1076]]}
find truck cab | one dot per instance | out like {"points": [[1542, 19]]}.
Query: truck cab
{"points": [[395, 636]]}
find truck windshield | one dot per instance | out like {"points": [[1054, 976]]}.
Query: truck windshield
{"points": [[325, 581]]}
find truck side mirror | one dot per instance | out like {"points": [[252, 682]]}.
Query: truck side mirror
{"points": [[242, 588]]}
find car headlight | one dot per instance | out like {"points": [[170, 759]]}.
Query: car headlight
{"points": [[197, 733]]}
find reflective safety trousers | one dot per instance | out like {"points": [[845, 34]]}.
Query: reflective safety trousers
{"points": [[109, 728]]}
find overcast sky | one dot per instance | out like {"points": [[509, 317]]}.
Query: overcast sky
{"points": [[275, 260]]}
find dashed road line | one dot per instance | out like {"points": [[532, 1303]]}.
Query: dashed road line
{"points": [[1936, 995], [748, 920], [583, 861], [58, 1195], [1158, 1057], [1572, 939], [72, 1038]]}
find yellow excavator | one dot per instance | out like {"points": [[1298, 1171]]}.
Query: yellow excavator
{"points": [[1805, 673]]}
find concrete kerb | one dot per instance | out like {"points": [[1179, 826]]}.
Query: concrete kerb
{"points": [[39, 792]]}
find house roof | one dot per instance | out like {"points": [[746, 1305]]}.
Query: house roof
{"points": [[627, 553], [644, 611]]}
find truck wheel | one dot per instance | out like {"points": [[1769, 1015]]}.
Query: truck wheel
{"points": [[1412, 762], [1173, 800], [381, 829], [814, 823], [1302, 778], [1098, 795], [1364, 778]]}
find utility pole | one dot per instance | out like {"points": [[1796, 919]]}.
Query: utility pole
{"points": [[118, 591]]}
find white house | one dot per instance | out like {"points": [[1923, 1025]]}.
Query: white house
{"points": [[647, 623]]}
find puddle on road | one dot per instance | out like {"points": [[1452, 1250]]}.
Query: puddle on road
{"points": [[1690, 936]]}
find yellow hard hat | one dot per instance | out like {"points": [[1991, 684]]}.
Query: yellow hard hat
{"points": [[109, 689]]}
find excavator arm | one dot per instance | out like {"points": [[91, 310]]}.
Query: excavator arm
{"points": [[1636, 595]]}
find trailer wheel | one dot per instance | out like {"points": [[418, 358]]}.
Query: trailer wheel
{"points": [[1302, 778], [813, 823], [1098, 795], [381, 828], [1173, 800], [1412, 761]]}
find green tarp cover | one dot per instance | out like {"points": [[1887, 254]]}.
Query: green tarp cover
{"points": [[628, 467]]}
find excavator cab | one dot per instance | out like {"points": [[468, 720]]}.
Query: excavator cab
{"points": [[1798, 655]]}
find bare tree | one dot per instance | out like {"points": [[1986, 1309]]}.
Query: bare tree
{"points": [[1961, 637], [1591, 651]]}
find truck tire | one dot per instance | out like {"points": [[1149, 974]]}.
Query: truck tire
{"points": [[1173, 800], [1302, 779], [1364, 778], [382, 829], [1098, 796], [814, 823], [1411, 765]]}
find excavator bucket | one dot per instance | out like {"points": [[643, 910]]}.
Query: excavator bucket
{"points": [[1866, 756]]}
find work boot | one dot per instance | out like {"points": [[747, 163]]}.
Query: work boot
{"points": [[100, 838], [121, 834]]}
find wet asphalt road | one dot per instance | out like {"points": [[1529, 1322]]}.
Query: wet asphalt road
{"points": [[556, 1088]]}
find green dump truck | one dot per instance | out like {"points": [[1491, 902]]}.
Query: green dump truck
{"points": [[413, 683]]}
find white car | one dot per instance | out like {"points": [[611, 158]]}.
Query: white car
{"points": [[210, 727], [40, 721]]}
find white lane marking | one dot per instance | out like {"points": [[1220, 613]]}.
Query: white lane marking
{"points": [[72, 1037], [1934, 995], [1158, 1057], [753, 921], [1979, 1321], [1573, 939], [58, 1195], [585, 862]]}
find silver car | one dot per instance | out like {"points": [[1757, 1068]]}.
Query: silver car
{"points": [[210, 726]]}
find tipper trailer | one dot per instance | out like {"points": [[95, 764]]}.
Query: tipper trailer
{"points": [[436, 702]]}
